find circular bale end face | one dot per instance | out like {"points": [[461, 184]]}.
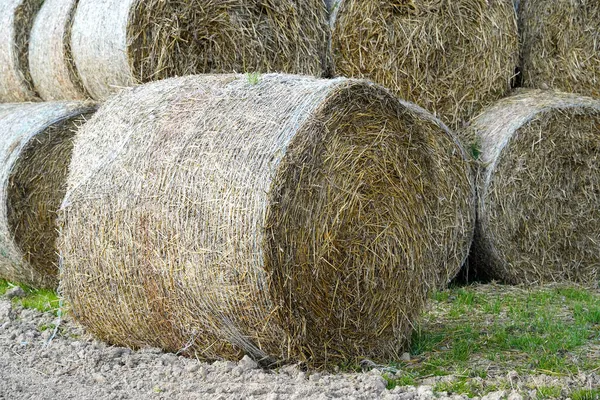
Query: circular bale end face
{"points": [[293, 219], [16, 21], [33, 198], [181, 38], [24, 18], [352, 227], [541, 205], [450, 57], [36, 148], [561, 45]]}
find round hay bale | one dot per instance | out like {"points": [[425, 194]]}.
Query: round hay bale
{"points": [[293, 219], [539, 189], [561, 45], [35, 149], [16, 20], [50, 58], [119, 43], [450, 57]]}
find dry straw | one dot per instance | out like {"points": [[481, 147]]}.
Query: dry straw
{"points": [[35, 149], [118, 43], [16, 20], [290, 218], [450, 57], [539, 188], [50, 59], [561, 45]]}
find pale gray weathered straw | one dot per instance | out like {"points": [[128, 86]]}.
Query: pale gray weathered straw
{"points": [[50, 60], [16, 19], [290, 218]]}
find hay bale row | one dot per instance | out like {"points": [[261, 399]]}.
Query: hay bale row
{"points": [[120, 43], [292, 219], [450, 57], [50, 58], [35, 149], [561, 45], [539, 189], [16, 20]]}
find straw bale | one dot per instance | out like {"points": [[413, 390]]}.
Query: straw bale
{"points": [[539, 189], [450, 57], [561, 45], [35, 147], [119, 43], [16, 19], [292, 219], [50, 59]]}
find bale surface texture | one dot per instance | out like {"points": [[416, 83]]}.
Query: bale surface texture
{"points": [[293, 219], [119, 43], [35, 147], [16, 20], [450, 57], [561, 45], [50, 59], [539, 189]]}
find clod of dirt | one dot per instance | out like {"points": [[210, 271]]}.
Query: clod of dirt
{"points": [[17, 292]]}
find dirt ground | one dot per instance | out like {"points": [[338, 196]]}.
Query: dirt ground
{"points": [[74, 366]]}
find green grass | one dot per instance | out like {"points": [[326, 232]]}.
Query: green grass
{"points": [[253, 77], [475, 149], [405, 379], [548, 392], [461, 386], [586, 394], [43, 300], [482, 330], [469, 387]]}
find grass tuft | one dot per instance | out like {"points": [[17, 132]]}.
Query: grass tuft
{"points": [[586, 394], [548, 392], [253, 78], [43, 300]]}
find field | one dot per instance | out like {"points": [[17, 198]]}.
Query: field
{"points": [[473, 340], [484, 338]]}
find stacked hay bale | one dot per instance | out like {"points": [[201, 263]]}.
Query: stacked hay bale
{"points": [[117, 43], [35, 147], [289, 218], [50, 58], [539, 189], [450, 57], [561, 45], [16, 19]]}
